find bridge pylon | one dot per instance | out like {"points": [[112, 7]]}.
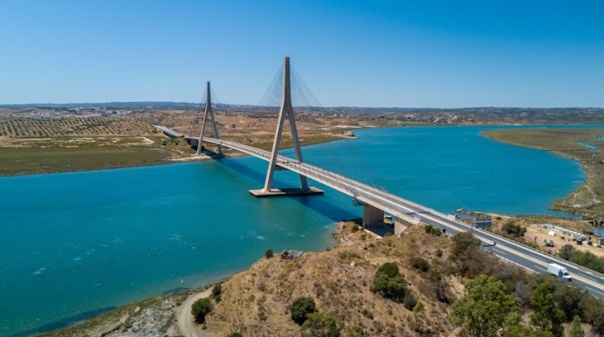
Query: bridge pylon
{"points": [[208, 112], [286, 111]]}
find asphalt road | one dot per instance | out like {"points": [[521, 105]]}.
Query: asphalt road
{"points": [[509, 250]]}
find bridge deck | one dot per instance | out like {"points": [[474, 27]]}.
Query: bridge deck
{"points": [[401, 208]]}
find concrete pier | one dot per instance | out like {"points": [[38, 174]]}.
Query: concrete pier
{"points": [[372, 215], [276, 192]]}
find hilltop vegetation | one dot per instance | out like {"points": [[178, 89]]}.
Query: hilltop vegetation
{"points": [[418, 284]]}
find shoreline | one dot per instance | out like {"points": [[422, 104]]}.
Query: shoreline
{"points": [[144, 166], [106, 322]]}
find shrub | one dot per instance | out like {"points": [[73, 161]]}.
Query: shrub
{"points": [[593, 313], [432, 230], [418, 307], [390, 269], [321, 325], [301, 308], [409, 301], [200, 309], [439, 252], [420, 263], [217, 292], [269, 253], [586, 259], [236, 334], [389, 283], [513, 229], [392, 288], [462, 241]]}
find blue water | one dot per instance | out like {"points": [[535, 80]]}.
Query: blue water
{"points": [[75, 244]]}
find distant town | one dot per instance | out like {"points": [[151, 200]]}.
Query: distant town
{"points": [[478, 115]]}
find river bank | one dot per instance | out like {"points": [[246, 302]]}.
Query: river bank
{"points": [[152, 229], [569, 143]]}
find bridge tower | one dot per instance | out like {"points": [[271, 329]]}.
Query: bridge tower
{"points": [[286, 111], [208, 111]]}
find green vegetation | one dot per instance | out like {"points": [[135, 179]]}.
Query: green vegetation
{"points": [[462, 241], [583, 258], [486, 309], [59, 159], [31, 146], [546, 314], [217, 292], [513, 230], [389, 283], [432, 230], [301, 308], [201, 308], [269, 253], [319, 324], [236, 334], [420, 263], [575, 329]]}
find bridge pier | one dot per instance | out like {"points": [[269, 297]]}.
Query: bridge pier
{"points": [[372, 215]]}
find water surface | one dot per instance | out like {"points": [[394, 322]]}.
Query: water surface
{"points": [[75, 244]]}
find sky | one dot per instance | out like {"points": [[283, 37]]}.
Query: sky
{"points": [[372, 53]]}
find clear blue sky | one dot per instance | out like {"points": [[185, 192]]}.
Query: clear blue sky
{"points": [[428, 53]]}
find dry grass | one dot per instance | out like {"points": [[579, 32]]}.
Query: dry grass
{"points": [[255, 302]]}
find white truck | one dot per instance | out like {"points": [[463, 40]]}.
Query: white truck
{"points": [[559, 271]]}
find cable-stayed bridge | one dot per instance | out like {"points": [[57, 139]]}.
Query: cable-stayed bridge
{"points": [[285, 152]]}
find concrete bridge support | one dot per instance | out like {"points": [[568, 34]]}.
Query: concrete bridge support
{"points": [[402, 221], [372, 215]]}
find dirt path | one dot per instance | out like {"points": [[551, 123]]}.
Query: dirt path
{"points": [[186, 322]]}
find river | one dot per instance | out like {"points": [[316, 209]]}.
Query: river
{"points": [[76, 244]]}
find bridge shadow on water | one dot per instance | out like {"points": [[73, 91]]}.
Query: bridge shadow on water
{"points": [[326, 207]]}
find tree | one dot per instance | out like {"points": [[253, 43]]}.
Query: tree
{"points": [[593, 313], [269, 253], [546, 315], [486, 309], [575, 329], [200, 309], [320, 325], [301, 308], [392, 288], [389, 283], [568, 297]]}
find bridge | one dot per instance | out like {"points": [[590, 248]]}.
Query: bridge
{"points": [[376, 202]]}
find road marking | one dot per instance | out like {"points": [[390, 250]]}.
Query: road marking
{"points": [[596, 291], [540, 267], [394, 204], [500, 251]]}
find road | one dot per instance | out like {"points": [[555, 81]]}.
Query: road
{"points": [[514, 252], [186, 322]]}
